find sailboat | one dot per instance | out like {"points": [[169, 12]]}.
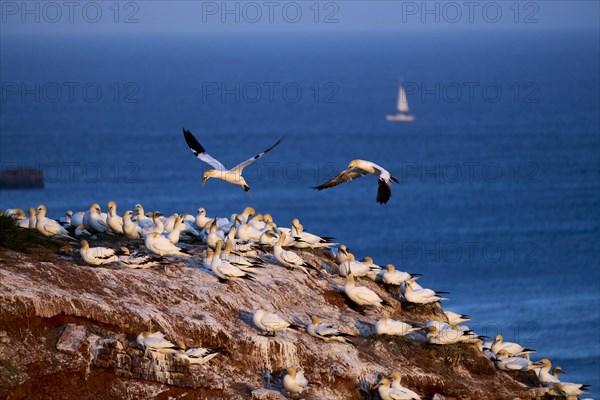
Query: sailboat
{"points": [[403, 114]]}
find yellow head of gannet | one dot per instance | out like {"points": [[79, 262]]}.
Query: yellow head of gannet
{"points": [[315, 320], [433, 329], [368, 260], [112, 205], [228, 247], [248, 211], [395, 376], [292, 372], [390, 268], [282, 238], [384, 382], [95, 207], [267, 218], [41, 210], [350, 280], [125, 251], [85, 245], [127, 214], [207, 175]]}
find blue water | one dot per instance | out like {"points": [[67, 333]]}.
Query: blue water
{"points": [[499, 197]]}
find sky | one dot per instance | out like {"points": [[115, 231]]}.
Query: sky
{"points": [[149, 16]]}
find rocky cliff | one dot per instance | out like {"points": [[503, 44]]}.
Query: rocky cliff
{"points": [[67, 330]]}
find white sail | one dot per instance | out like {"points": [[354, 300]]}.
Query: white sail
{"points": [[402, 101]]}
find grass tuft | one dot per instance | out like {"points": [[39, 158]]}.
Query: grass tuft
{"points": [[22, 240]]}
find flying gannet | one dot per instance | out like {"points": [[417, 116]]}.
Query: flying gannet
{"points": [[233, 175], [358, 168]]}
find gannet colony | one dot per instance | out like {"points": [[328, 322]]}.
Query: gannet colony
{"points": [[297, 298]]}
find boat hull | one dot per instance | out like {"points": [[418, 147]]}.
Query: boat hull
{"points": [[400, 118]]}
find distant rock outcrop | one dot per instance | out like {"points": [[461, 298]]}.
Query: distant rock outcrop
{"points": [[21, 178], [67, 330]]}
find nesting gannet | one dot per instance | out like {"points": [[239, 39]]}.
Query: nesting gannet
{"points": [[178, 227], [233, 175], [269, 238], [396, 379], [131, 229], [327, 332], [77, 218], [388, 326], [157, 342], [98, 255], [304, 239], [289, 258], [199, 355], [14, 213], [81, 231], [49, 227], [224, 270], [156, 226], [114, 221], [68, 217], [362, 295], [505, 362], [238, 260], [514, 349], [94, 220], [358, 168], [342, 254], [294, 381], [353, 267], [444, 336], [420, 296], [568, 389], [386, 392], [543, 373], [247, 232], [24, 222], [375, 271], [160, 245], [32, 218], [393, 277], [270, 323], [137, 259], [455, 319], [214, 234]]}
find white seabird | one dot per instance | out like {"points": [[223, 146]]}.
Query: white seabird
{"points": [[327, 332], [233, 175], [160, 245], [226, 271], [514, 349], [393, 277], [289, 258], [156, 342], [98, 255], [455, 319], [137, 260], [388, 326], [114, 221], [361, 295], [505, 362], [199, 355], [396, 379], [49, 227], [270, 323], [294, 382], [420, 296], [94, 220], [358, 168], [386, 392], [130, 229]]}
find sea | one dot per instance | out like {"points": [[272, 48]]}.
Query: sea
{"points": [[499, 194]]}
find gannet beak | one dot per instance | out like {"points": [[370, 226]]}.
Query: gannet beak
{"points": [[203, 182]]}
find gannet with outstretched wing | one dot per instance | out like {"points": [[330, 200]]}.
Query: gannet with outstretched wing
{"points": [[233, 175], [358, 168]]}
